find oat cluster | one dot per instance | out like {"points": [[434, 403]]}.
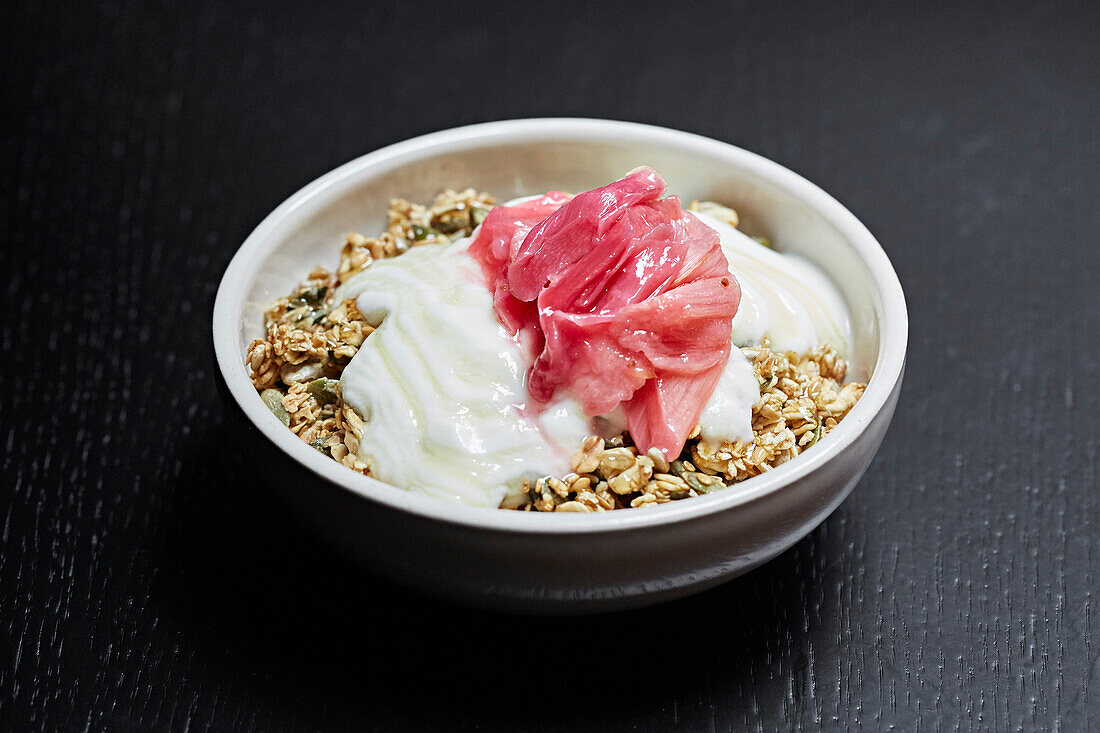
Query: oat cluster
{"points": [[802, 398], [310, 338], [452, 215], [613, 474]]}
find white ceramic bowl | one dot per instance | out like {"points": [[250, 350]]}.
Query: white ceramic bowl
{"points": [[550, 563]]}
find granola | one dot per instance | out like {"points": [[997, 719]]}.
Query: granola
{"points": [[310, 337]]}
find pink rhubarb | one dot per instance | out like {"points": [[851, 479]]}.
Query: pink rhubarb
{"points": [[622, 297]]}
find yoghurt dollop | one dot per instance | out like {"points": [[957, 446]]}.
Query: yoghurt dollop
{"points": [[783, 297], [440, 384]]}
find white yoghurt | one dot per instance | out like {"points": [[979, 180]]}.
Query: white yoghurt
{"points": [[783, 297], [440, 384], [728, 413]]}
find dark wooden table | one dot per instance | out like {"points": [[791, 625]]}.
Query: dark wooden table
{"points": [[146, 579]]}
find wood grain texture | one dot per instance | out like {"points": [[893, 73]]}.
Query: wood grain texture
{"points": [[146, 581]]}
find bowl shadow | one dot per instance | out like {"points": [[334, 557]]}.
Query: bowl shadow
{"points": [[319, 639]]}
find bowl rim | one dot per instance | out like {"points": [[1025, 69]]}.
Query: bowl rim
{"points": [[229, 304]]}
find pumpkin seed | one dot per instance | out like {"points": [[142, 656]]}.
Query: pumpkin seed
{"points": [[273, 398], [477, 215], [677, 468], [703, 483], [421, 233], [324, 390], [312, 297]]}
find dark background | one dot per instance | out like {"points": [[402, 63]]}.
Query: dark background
{"points": [[147, 581]]}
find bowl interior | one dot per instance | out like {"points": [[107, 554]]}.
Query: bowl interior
{"points": [[357, 201]]}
